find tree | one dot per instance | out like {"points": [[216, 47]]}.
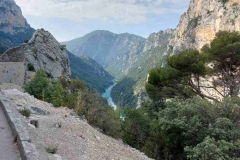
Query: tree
{"points": [[186, 70], [224, 54], [135, 128], [206, 131], [181, 78]]}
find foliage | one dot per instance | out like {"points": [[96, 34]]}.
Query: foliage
{"points": [[52, 149], [63, 47], [26, 41], [90, 72], [31, 67], [192, 24], [224, 53], [55, 94], [25, 112], [136, 128], [98, 113], [38, 85], [177, 80], [185, 129], [34, 50], [123, 94], [224, 1], [182, 78]]}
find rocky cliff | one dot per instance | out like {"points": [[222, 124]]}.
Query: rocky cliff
{"points": [[202, 21], [44, 52], [14, 28]]}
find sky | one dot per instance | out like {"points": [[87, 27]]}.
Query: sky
{"points": [[70, 19]]}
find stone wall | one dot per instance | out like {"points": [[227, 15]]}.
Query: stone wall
{"points": [[12, 72]]}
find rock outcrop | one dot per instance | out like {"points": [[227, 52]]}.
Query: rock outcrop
{"points": [[14, 28], [44, 52], [156, 39], [202, 21]]}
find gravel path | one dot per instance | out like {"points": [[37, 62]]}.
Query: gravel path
{"points": [[8, 150]]}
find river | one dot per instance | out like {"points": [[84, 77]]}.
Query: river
{"points": [[107, 95]]}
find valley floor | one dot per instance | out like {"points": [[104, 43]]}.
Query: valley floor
{"points": [[74, 137]]}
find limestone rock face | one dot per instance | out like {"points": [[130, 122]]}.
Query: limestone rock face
{"points": [[156, 39], [44, 52], [202, 21], [14, 28]]}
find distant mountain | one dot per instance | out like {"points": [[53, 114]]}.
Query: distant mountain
{"points": [[89, 71], [127, 57], [14, 29], [115, 52], [133, 83]]}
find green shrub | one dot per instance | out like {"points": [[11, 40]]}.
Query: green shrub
{"points": [[52, 149], [26, 41], [63, 47], [34, 50], [38, 85], [55, 94], [25, 112], [31, 67]]}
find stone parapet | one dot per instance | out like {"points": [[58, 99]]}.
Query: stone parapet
{"points": [[27, 149]]}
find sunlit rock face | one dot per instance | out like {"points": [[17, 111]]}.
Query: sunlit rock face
{"points": [[202, 21], [14, 28]]}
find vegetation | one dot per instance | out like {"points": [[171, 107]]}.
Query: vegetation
{"points": [[25, 112], [31, 67], [52, 149], [15, 138], [123, 94], [26, 41], [34, 50], [63, 47], [182, 77], [191, 129], [75, 95], [90, 72]]}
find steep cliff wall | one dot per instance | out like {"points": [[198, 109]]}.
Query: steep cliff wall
{"points": [[14, 28], [202, 21]]}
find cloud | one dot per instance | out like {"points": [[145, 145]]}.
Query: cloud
{"points": [[118, 11]]}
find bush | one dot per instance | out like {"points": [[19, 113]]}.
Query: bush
{"points": [[26, 41], [38, 85], [55, 94], [31, 67], [52, 149], [25, 112], [63, 47]]}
